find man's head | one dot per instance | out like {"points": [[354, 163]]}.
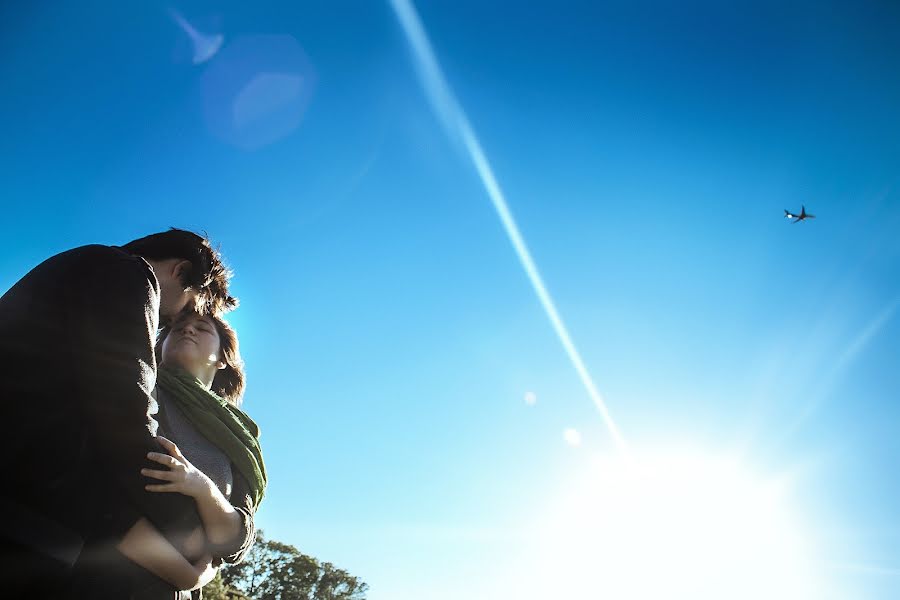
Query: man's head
{"points": [[190, 272]]}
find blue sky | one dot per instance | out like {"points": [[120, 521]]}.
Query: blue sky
{"points": [[646, 150]]}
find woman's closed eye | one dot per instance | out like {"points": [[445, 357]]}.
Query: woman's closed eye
{"points": [[197, 326]]}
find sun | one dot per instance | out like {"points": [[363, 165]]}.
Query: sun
{"points": [[674, 526]]}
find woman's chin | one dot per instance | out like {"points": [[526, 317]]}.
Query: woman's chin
{"points": [[179, 360]]}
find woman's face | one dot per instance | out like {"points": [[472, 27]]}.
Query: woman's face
{"points": [[193, 344]]}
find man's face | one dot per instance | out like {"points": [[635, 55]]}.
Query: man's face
{"points": [[173, 297], [181, 300]]}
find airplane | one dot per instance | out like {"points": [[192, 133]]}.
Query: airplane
{"points": [[801, 217]]}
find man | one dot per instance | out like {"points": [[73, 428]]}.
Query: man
{"points": [[77, 367]]}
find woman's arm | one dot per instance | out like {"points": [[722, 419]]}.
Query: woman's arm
{"points": [[242, 500], [145, 545], [222, 523]]}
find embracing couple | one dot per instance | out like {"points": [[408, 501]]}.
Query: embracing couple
{"points": [[129, 470]]}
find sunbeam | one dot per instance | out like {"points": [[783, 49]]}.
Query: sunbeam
{"points": [[457, 126], [872, 328]]}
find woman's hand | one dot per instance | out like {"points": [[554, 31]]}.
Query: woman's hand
{"points": [[182, 476], [221, 522]]}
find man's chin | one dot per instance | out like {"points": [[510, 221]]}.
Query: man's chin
{"points": [[167, 319], [168, 316]]}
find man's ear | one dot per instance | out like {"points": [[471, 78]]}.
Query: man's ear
{"points": [[182, 271]]}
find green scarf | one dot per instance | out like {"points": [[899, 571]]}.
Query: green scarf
{"points": [[223, 424]]}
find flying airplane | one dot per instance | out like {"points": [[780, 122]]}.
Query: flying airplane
{"points": [[801, 217]]}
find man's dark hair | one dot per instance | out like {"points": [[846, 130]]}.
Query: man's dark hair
{"points": [[208, 274]]}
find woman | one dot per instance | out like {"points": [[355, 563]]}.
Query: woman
{"points": [[209, 451]]}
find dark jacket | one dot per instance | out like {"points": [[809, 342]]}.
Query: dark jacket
{"points": [[76, 371]]}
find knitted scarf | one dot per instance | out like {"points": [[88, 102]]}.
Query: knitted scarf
{"points": [[223, 424]]}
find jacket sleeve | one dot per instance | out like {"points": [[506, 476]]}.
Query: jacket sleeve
{"points": [[242, 502], [117, 311]]}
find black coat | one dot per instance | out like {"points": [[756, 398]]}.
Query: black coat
{"points": [[76, 371]]}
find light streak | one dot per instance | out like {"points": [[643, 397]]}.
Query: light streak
{"points": [[456, 124]]}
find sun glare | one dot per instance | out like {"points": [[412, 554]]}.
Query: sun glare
{"points": [[674, 527]]}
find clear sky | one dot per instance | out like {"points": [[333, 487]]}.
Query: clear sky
{"points": [[412, 392]]}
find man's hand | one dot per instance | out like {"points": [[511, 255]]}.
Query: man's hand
{"points": [[205, 570], [146, 546], [194, 545]]}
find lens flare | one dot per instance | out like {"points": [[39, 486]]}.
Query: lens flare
{"points": [[257, 90], [204, 45], [572, 437]]}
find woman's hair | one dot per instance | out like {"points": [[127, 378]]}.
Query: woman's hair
{"points": [[228, 382]]}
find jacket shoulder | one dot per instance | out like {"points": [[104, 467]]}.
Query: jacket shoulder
{"points": [[104, 255], [111, 263], [95, 266]]}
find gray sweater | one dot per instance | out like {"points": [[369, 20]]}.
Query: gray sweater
{"points": [[215, 464]]}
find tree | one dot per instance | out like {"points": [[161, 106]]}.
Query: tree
{"points": [[276, 571], [337, 584], [217, 590]]}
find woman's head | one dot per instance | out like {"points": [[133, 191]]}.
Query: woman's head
{"points": [[207, 347]]}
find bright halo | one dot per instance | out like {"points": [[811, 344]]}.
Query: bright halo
{"points": [[674, 527]]}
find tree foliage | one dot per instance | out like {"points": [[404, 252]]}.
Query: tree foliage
{"points": [[273, 570]]}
